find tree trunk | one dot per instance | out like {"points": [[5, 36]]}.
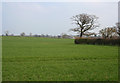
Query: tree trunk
{"points": [[81, 34]]}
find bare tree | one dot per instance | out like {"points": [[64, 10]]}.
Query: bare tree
{"points": [[90, 34], [6, 33], [108, 32], [118, 28], [22, 34], [84, 23], [30, 34], [64, 35]]}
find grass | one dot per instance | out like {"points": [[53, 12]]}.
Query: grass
{"points": [[49, 59]]}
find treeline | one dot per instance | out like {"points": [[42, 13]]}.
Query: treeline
{"points": [[63, 35]]}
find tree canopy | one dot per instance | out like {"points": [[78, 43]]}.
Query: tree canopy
{"points": [[84, 23]]}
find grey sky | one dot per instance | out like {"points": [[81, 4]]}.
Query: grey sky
{"points": [[0, 17], [119, 11], [53, 17]]}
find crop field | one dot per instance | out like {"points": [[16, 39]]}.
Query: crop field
{"points": [[50, 59]]}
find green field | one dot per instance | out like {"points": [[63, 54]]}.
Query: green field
{"points": [[49, 59]]}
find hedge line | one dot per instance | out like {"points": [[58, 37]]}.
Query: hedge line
{"points": [[97, 41]]}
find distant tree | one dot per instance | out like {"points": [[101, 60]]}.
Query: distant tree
{"points": [[64, 35], [6, 33], [42, 35], [47, 35], [36, 35], [58, 36], [22, 34], [84, 23], [12, 34], [118, 28], [30, 34], [108, 32]]}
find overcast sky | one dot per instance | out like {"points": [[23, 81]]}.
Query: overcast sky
{"points": [[53, 17]]}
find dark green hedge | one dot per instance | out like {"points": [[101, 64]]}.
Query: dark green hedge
{"points": [[97, 41]]}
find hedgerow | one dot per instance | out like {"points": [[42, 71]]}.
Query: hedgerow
{"points": [[97, 41]]}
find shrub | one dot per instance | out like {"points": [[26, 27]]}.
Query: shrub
{"points": [[97, 41]]}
